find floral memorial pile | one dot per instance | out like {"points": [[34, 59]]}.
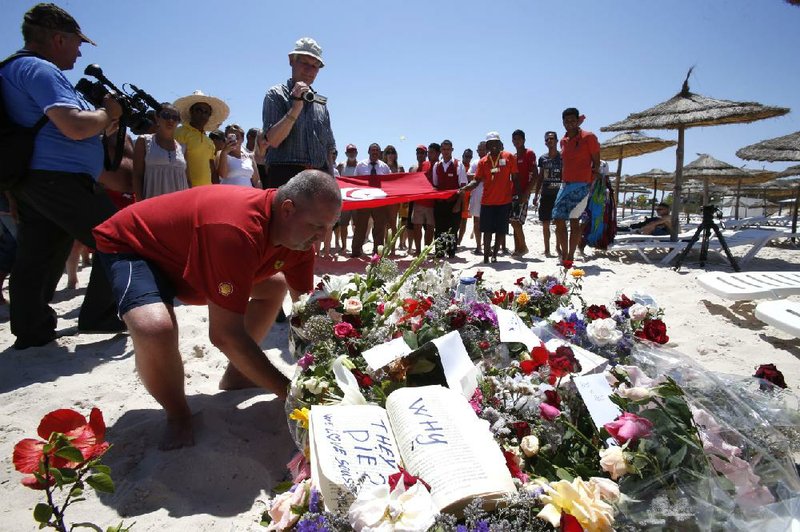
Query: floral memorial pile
{"points": [[426, 402]]}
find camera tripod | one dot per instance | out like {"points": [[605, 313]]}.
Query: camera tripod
{"points": [[705, 228]]}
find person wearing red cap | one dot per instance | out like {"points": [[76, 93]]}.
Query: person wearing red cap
{"points": [[59, 199]]}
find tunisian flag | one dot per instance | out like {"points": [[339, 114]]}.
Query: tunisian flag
{"points": [[394, 188]]}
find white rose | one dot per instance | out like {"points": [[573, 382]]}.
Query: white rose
{"points": [[635, 393], [315, 385], [300, 304], [352, 305], [603, 332], [608, 489], [378, 509], [638, 312], [612, 461], [529, 445]]}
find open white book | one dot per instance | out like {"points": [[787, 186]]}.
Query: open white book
{"points": [[431, 431]]}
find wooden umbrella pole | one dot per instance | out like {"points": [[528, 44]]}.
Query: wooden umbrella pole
{"points": [[794, 214], [676, 190], [619, 179], [653, 203], [738, 195]]}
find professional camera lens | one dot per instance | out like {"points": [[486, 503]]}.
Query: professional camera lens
{"points": [[309, 96]]}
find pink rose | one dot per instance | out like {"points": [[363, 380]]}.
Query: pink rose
{"points": [[549, 412], [344, 330], [629, 427]]}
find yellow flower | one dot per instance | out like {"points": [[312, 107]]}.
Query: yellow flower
{"points": [[582, 500], [301, 416], [577, 273], [523, 298]]}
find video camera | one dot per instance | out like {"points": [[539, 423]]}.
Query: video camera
{"points": [[135, 103]]}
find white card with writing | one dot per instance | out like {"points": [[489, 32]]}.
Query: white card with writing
{"points": [[590, 363], [513, 329], [594, 390], [383, 354], [459, 370]]}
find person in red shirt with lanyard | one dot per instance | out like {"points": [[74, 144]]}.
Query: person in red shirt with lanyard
{"points": [[498, 173], [580, 156], [234, 249]]}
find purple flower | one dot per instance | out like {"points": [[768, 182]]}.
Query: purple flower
{"points": [[312, 524], [305, 361], [483, 312], [313, 502]]}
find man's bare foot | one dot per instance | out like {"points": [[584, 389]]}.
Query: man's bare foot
{"points": [[233, 379], [178, 433]]}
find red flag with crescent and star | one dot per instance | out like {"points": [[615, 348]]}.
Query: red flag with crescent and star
{"points": [[394, 188]]}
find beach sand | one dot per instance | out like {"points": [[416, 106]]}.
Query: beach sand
{"points": [[243, 444]]}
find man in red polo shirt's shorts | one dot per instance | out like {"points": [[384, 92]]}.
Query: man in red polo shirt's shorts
{"points": [[232, 248], [580, 156]]}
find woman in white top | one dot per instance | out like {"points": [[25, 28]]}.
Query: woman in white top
{"points": [[159, 166], [234, 165]]}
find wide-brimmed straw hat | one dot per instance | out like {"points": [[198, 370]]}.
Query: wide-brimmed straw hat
{"points": [[308, 46], [219, 109]]}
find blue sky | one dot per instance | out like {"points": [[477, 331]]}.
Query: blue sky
{"points": [[426, 71]]}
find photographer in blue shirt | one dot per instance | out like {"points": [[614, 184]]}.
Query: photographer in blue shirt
{"points": [[59, 199]]}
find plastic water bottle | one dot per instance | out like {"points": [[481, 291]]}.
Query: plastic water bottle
{"points": [[466, 289]]}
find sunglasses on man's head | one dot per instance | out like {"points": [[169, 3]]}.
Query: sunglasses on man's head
{"points": [[166, 115]]}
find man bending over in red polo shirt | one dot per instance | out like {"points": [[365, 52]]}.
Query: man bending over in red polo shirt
{"points": [[580, 156], [233, 250]]}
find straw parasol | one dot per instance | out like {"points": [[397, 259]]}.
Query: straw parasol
{"points": [[785, 148], [651, 179], [630, 144], [706, 167], [685, 110]]}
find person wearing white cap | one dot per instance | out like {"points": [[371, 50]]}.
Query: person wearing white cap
{"points": [[297, 125], [498, 173], [199, 113]]}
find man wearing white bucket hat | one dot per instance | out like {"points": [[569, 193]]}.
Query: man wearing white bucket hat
{"points": [[297, 125], [199, 113]]}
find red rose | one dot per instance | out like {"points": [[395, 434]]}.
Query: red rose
{"points": [[770, 373], [655, 331], [513, 466], [519, 280], [326, 303], [527, 366], [559, 290], [406, 478], [567, 264], [552, 398], [344, 329], [540, 355], [534, 275], [562, 362], [364, 380], [483, 345], [380, 308], [624, 302], [458, 319], [569, 523], [521, 429], [597, 312], [353, 320], [565, 328], [479, 275], [499, 297]]}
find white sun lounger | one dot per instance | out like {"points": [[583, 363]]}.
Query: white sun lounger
{"points": [[781, 314], [751, 285]]}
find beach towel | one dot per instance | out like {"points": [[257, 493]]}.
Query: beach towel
{"points": [[601, 225]]}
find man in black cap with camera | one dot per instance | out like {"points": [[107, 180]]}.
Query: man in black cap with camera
{"points": [[59, 199], [297, 125]]}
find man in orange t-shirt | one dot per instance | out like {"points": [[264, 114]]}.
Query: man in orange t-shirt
{"points": [[580, 156], [498, 173]]}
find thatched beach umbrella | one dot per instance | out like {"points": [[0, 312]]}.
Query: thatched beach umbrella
{"points": [[651, 179], [785, 148], [630, 144], [685, 110], [706, 167], [749, 177]]}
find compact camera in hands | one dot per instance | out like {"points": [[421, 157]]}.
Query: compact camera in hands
{"points": [[312, 96], [135, 103]]}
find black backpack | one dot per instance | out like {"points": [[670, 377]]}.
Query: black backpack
{"points": [[16, 142]]}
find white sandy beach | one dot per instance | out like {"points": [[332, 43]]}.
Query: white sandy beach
{"points": [[242, 442]]}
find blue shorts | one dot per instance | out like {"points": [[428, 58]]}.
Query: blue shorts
{"points": [[494, 218], [135, 282], [571, 201]]}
